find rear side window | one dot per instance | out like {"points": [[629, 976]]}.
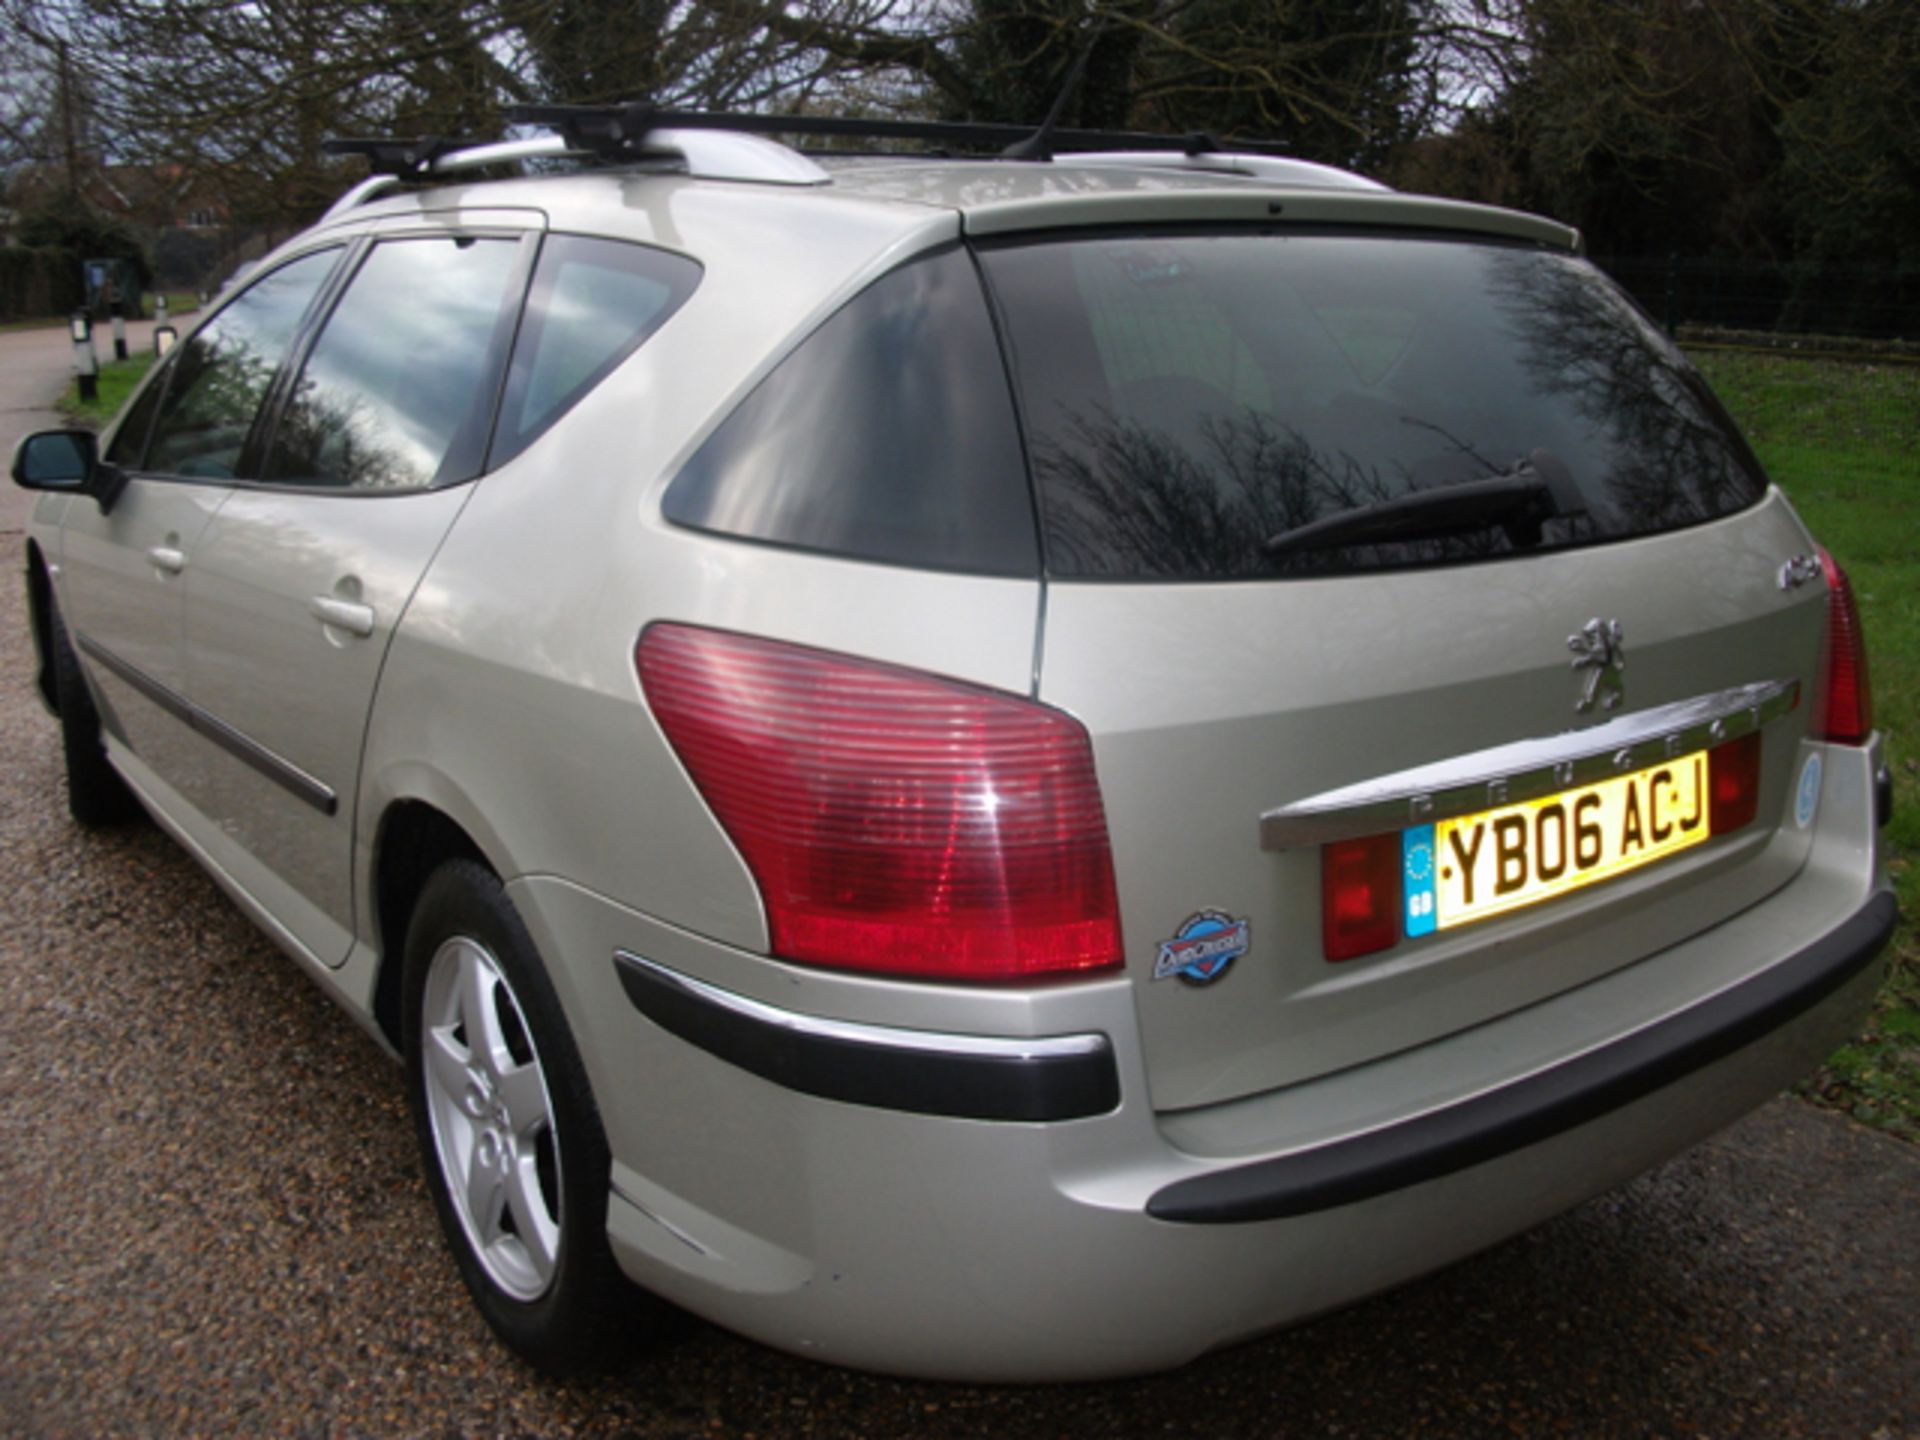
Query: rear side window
{"points": [[221, 375], [397, 391], [594, 303], [887, 435], [1191, 397]]}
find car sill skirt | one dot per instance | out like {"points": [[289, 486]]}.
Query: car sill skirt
{"points": [[972, 1077], [1539, 1107]]}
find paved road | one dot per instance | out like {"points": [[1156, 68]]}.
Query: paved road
{"points": [[211, 1221]]}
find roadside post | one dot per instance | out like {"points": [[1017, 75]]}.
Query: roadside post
{"points": [[163, 338], [119, 332], [86, 367]]}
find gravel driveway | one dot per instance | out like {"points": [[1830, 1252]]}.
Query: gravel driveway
{"points": [[211, 1221]]}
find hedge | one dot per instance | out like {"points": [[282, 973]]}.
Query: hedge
{"points": [[36, 281]]}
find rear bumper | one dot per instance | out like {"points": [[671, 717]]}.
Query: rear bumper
{"points": [[1545, 1104], [869, 1228], [1072, 1077]]}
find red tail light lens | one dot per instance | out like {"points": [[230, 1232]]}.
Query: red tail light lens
{"points": [[1733, 784], [1359, 896], [894, 821], [1848, 717]]}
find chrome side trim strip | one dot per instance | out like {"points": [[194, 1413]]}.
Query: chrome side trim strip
{"points": [[280, 771], [1035, 1079], [887, 1037], [1526, 769]]}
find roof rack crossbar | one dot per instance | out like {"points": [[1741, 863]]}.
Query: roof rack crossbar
{"points": [[399, 157], [617, 130]]}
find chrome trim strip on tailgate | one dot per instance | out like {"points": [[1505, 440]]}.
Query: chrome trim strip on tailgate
{"points": [[282, 772], [1526, 769]]}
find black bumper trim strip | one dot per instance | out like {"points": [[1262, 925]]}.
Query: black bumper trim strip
{"points": [[1064, 1078], [1540, 1106], [284, 773]]}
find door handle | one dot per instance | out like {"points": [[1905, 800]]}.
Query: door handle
{"points": [[167, 558], [348, 615]]}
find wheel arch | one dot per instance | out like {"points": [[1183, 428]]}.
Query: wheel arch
{"points": [[415, 838], [40, 620]]}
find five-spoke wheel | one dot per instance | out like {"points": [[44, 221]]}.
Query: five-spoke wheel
{"points": [[514, 1150], [492, 1121]]}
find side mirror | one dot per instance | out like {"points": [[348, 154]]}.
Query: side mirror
{"points": [[67, 460]]}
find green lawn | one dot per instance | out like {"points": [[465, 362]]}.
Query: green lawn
{"points": [[117, 379], [1843, 440]]}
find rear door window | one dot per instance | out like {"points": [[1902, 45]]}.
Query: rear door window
{"points": [[1190, 397], [594, 302], [888, 435], [397, 391]]}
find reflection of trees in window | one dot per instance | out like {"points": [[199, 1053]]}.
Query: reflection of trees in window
{"points": [[211, 408], [1510, 356], [1126, 498], [222, 374], [335, 438], [393, 389], [1673, 458]]}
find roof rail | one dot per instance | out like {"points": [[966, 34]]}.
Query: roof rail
{"points": [[718, 156], [728, 145], [1276, 168]]}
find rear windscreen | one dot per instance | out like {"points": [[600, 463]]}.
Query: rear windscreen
{"points": [[1194, 402]]}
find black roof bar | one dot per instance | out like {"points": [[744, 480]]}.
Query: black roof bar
{"points": [[399, 157], [619, 131]]}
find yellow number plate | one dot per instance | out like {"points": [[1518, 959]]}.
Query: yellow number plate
{"points": [[1500, 860]]}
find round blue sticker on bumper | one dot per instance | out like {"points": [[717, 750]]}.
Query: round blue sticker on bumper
{"points": [[1806, 799]]}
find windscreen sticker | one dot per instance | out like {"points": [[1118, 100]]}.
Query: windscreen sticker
{"points": [[1806, 799], [1207, 942]]}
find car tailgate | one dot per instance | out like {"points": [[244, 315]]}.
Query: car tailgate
{"points": [[1211, 705]]}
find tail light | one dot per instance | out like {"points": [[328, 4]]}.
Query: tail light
{"points": [[1359, 896], [1733, 784], [893, 821], [1848, 716]]}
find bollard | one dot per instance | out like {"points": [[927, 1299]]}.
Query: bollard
{"points": [[119, 334], [85, 367], [163, 338], [160, 309]]}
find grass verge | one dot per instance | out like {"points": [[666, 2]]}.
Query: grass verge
{"points": [[117, 379], [1843, 440]]}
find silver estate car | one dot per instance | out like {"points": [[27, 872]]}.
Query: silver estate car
{"points": [[1007, 769]]}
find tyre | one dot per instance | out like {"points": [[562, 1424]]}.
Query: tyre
{"points": [[511, 1140], [96, 795]]}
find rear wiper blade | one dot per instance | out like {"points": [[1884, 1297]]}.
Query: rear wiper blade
{"points": [[1520, 498]]}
